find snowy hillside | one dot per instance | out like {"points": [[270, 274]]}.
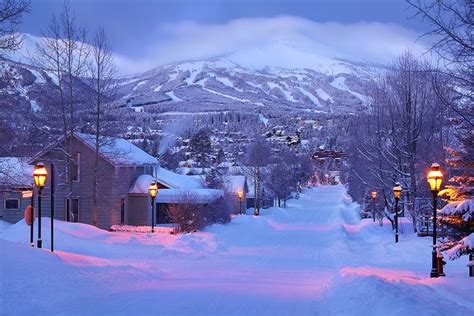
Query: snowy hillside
{"points": [[278, 75], [314, 257], [331, 85], [279, 87]]}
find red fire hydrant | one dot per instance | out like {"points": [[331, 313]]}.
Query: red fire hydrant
{"points": [[441, 264]]}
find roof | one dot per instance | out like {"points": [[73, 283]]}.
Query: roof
{"points": [[15, 172], [178, 181], [168, 178], [141, 184], [236, 183], [118, 150], [189, 188]]}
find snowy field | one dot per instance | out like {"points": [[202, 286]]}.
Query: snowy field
{"points": [[314, 257]]}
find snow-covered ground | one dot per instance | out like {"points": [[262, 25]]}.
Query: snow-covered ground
{"points": [[314, 257]]}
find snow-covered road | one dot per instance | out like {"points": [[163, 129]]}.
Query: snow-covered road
{"points": [[313, 257]]}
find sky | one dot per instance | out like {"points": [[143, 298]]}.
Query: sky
{"points": [[148, 33]]}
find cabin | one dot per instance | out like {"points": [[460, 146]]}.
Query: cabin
{"points": [[16, 185]]}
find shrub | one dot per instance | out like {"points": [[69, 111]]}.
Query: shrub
{"points": [[191, 216]]}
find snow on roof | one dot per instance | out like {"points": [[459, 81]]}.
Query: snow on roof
{"points": [[141, 184], [15, 172], [118, 150], [178, 181], [235, 183], [184, 195], [226, 164]]}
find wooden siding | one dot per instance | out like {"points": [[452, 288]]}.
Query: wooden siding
{"points": [[13, 216], [235, 202], [139, 210], [114, 184]]}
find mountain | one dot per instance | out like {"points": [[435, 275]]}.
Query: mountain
{"points": [[223, 84], [274, 88]]}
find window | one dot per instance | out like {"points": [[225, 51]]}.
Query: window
{"points": [[122, 211], [76, 167], [72, 210], [12, 204]]}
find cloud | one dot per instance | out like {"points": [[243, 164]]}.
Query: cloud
{"points": [[285, 41]]}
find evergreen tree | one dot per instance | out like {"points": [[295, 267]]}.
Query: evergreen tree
{"points": [[214, 179], [200, 146]]}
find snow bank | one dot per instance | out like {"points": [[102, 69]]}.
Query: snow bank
{"points": [[4, 225], [313, 257]]}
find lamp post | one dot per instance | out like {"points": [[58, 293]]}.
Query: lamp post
{"points": [[153, 190], [373, 195], [435, 177], [397, 192], [240, 194], [39, 174]]}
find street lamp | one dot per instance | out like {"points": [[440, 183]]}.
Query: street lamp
{"points": [[435, 177], [39, 175], [397, 192], [240, 194], [153, 190], [373, 195]]}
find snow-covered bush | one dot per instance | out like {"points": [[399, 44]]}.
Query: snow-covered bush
{"points": [[458, 216], [462, 247], [190, 215]]}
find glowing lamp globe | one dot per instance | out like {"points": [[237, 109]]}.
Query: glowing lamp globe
{"points": [[39, 175], [373, 194], [153, 189], [435, 177], [240, 194], [397, 191]]}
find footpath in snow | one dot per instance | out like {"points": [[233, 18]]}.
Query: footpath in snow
{"points": [[314, 257]]}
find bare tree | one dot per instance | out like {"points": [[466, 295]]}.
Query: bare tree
{"points": [[63, 54], [401, 136], [258, 157], [451, 26], [102, 71], [11, 13]]}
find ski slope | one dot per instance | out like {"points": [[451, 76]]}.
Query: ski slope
{"points": [[314, 257]]}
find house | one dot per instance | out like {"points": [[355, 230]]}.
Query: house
{"points": [[237, 190], [120, 163], [173, 188], [123, 178], [16, 185]]}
